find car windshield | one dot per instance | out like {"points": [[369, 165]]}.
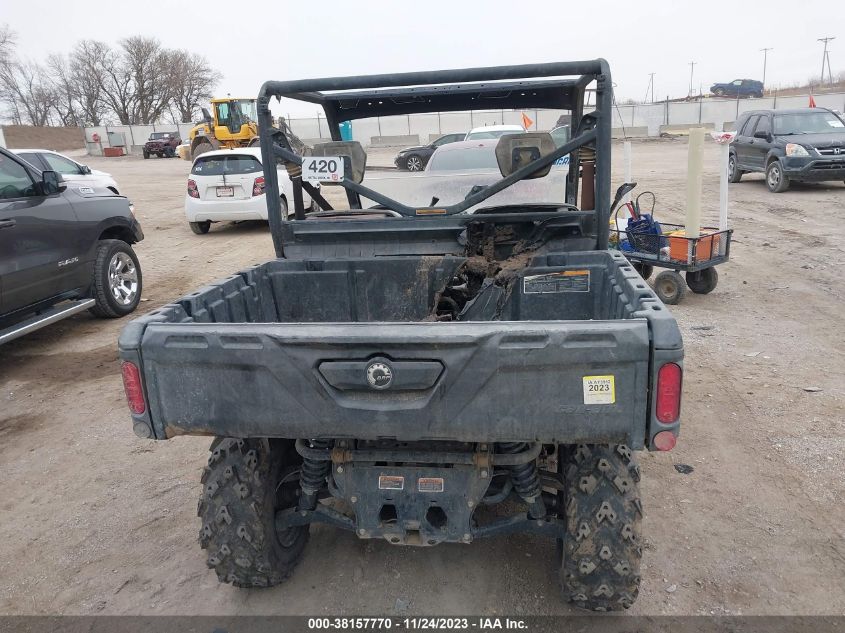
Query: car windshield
{"points": [[157, 136], [229, 165], [808, 123]]}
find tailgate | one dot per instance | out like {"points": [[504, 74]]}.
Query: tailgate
{"points": [[557, 381]]}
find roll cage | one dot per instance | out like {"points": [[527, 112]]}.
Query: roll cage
{"points": [[558, 85]]}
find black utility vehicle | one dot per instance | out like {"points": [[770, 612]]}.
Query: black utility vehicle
{"points": [[64, 248], [802, 145], [399, 369], [416, 158]]}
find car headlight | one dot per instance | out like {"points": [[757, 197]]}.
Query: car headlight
{"points": [[794, 149]]}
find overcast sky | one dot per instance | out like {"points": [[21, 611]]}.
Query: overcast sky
{"points": [[295, 40]]}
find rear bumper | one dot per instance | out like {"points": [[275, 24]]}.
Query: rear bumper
{"points": [[812, 169], [254, 208]]}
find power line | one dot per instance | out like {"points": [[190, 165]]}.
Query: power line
{"points": [[826, 58], [650, 86], [691, 71], [765, 52]]}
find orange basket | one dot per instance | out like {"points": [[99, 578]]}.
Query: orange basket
{"points": [[704, 247]]}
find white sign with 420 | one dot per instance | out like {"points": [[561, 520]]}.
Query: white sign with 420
{"points": [[322, 168]]}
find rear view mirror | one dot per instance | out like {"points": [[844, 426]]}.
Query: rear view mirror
{"points": [[51, 183], [353, 153], [515, 151], [85, 169], [762, 135]]}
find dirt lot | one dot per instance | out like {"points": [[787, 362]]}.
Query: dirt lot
{"points": [[95, 520]]}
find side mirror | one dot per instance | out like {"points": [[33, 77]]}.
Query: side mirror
{"points": [[355, 158], [763, 135], [52, 183], [85, 170], [515, 151]]}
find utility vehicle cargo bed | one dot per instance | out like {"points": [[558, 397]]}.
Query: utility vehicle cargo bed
{"points": [[286, 349]]}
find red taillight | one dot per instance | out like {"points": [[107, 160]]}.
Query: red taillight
{"points": [[132, 386], [192, 189], [668, 408], [258, 186], [664, 441]]}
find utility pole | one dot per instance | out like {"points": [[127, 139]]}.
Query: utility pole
{"points": [[765, 52], [826, 58], [691, 71], [650, 87]]}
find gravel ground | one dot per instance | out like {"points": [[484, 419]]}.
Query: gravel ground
{"points": [[95, 520]]}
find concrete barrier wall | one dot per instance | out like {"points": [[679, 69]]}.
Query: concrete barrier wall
{"points": [[637, 120]]}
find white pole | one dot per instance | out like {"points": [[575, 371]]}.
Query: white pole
{"points": [[694, 168], [723, 187], [627, 151]]}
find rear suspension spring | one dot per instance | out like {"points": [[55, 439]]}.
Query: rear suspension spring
{"points": [[312, 476], [526, 479]]}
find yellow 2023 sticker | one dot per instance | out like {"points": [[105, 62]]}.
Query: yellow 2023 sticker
{"points": [[599, 390]]}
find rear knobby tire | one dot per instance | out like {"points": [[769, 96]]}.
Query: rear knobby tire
{"points": [[245, 483], [601, 552]]}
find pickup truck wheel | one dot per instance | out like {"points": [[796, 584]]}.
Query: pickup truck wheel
{"points": [[245, 483], [146, 154], [117, 280], [200, 228], [776, 180], [704, 281], [734, 172], [601, 552], [669, 286]]}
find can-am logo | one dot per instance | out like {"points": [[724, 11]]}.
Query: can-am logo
{"points": [[379, 375]]}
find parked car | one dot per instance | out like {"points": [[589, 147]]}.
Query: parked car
{"points": [[492, 131], [802, 145], [65, 247], [227, 185], [416, 158], [162, 144], [71, 171], [738, 88]]}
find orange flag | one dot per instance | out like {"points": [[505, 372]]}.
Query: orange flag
{"points": [[812, 103], [526, 121]]}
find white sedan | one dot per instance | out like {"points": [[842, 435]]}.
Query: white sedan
{"points": [[228, 186], [71, 171]]}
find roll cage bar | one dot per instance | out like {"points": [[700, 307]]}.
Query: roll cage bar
{"points": [[558, 85]]}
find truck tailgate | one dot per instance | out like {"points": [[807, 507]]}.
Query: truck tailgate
{"points": [[553, 381]]}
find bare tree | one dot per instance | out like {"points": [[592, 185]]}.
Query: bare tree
{"points": [[88, 76], [67, 96], [149, 66], [192, 82], [27, 90]]}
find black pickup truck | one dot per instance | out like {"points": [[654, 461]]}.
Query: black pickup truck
{"points": [[419, 373], [64, 248]]}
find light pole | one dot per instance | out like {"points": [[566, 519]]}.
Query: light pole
{"points": [[765, 52], [826, 57], [691, 71]]}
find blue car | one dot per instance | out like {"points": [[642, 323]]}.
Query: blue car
{"points": [[738, 88]]}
